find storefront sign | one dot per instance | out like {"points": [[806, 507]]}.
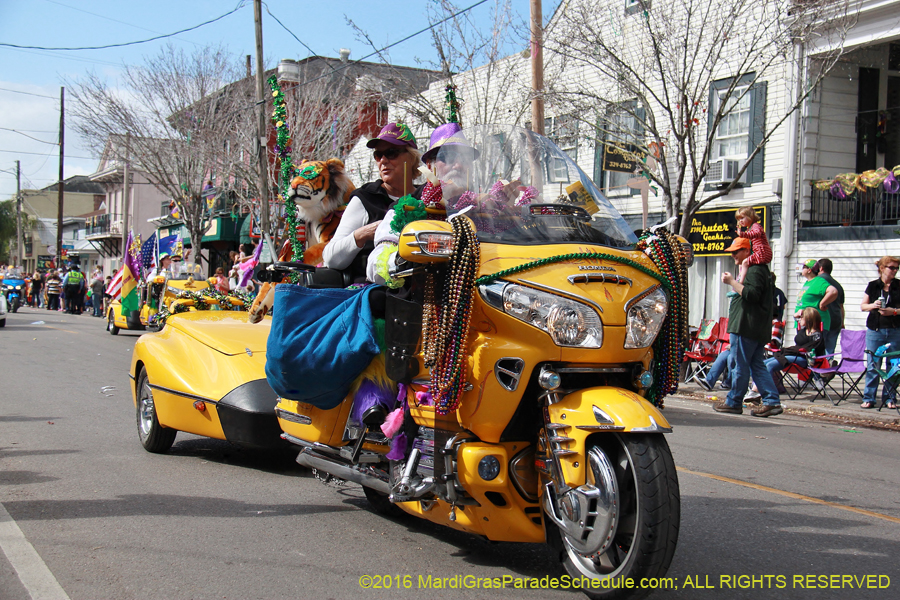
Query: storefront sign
{"points": [[624, 158], [712, 230], [44, 262]]}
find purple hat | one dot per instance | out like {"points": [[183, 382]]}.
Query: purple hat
{"points": [[394, 133], [447, 134]]}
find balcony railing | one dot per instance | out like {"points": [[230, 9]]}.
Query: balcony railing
{"points": [[871, 207], [100, 224]]}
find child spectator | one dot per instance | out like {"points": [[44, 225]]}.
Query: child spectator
{"points": [[749, 227]]}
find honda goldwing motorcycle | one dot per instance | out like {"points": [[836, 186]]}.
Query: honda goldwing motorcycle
{"points": [[532, 337], [14, 289]]}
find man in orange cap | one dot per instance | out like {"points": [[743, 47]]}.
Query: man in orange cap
{"points": [[750, 324]]}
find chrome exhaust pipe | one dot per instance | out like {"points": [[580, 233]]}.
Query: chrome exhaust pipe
{"points": [[365, 476]]}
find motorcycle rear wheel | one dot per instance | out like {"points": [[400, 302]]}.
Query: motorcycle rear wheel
{"points": [[649, 517], [381, 504]]}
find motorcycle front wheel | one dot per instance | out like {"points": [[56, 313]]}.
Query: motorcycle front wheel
{"points": [[648, 521], [14, 305]]}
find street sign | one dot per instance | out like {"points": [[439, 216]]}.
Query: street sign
{"points": [[624, 158]]}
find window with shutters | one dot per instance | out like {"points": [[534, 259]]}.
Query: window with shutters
{"points": [[742, 124], [563, 131], [622, 124]]}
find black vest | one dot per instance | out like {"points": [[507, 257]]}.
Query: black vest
{"points": [[376, 202]]}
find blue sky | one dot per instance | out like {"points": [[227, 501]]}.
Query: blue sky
{"points": [[77, 23]]}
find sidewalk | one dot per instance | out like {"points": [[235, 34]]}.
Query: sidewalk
{"points": [[848, 411]]}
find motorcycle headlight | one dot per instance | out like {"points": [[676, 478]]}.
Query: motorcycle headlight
{"points": [[645, 318], [18, 287], [568, 322]]}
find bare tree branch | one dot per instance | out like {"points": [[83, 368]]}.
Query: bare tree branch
{"points": [[666, 58]]}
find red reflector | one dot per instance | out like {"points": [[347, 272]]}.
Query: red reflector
{"points": [[433, 245], [200, 405]]}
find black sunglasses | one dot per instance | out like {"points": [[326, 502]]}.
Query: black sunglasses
{"points": [[390, 153], [892, 268]]}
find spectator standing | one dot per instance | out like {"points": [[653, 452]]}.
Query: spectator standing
{"points": [[72, 288], [816, 292], [882, 302], [779, 301], [835, 309], [106, 297], [37, 285], [62, 289], [749, 323], [54, 286], [98, 287]]}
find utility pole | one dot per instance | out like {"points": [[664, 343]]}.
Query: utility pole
{"points": [[19, 251], [262, 138], [61, 187], [537, 67], [126, 194]]}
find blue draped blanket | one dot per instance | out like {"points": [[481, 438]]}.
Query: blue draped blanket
{"points": [[320, 342]]}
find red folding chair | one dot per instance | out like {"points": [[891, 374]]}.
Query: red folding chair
{"points": [[797, 379], [703, 351]]}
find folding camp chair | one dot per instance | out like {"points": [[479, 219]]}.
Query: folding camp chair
{"points": [[850, 371], [797, 379], [703, 351], [890, 375]]}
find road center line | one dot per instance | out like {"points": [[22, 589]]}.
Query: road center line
{"points": [[772, 490], [34, 574]]}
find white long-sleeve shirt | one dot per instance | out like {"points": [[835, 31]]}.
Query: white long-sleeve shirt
{"points": [[342, 249]]}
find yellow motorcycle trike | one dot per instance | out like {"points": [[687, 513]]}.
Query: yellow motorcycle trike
{"points": [[157, 293], [532, 337]]}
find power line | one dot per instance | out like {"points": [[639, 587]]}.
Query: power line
{"points": [[45, 154], [61, 56], [349, 64], [153, 39], [302, 43], [29, 137], [409, 37], [28, 93]]}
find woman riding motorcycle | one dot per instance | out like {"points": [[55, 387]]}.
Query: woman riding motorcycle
{"points": [[397, 157]]}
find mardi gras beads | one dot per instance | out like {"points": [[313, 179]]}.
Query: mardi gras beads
{"points": [[447, 344], [664, 248]]}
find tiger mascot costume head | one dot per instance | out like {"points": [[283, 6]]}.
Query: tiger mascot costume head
{"points": [[321, 191]]}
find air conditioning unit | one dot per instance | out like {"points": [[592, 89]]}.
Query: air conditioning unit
{"points": [[724, 171]]}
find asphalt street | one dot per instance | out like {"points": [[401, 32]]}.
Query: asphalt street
{"points": [[785, 507]]}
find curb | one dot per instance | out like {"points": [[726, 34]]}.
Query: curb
{"points": [[886, 420]]}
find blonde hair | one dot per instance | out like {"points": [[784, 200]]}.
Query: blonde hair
{"points": [[884, 261], [747, 211], [812, 318]]}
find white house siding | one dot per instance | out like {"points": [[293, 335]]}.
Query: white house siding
{"points": [[854, 267], [828, 136]]}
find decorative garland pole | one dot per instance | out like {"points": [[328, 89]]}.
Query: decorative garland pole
{"points": [[283, 149], [452, 104]]}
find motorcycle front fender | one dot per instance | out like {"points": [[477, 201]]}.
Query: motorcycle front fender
{"points": [[596, 410]]}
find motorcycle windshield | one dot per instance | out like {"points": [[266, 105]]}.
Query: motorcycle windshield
{"points": [[180, 271], [518, 187]]}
